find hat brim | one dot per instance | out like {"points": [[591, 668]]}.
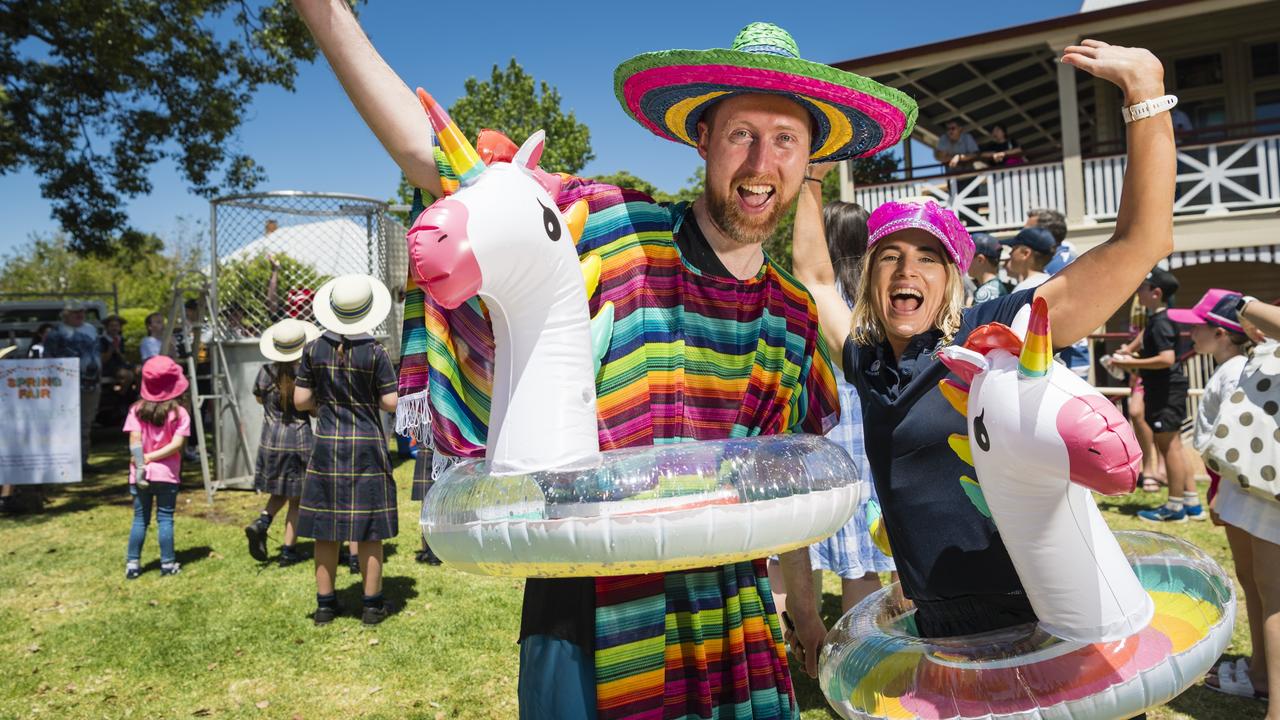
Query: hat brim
{"points": [[1186, 317], [330, 321], [267, 343], [667, 92], [178, 390], [7, 351]]}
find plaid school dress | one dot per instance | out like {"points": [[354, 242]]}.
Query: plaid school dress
{"points": [[348, 493], [285, 446]]}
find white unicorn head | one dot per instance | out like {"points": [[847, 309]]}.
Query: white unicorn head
{"points": [[500, 236], [1040, 438]]}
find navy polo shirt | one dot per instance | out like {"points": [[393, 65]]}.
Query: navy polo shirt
{"points": [[943, 547]]}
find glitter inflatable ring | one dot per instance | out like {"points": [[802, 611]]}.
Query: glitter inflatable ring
{"points": [[640, 510], [873, 666]]}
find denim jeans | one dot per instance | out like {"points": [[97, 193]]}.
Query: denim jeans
{"points": [[165, 497]]}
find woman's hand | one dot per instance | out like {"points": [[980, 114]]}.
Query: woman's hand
{"points": [[818, 171], [1137, 72]]}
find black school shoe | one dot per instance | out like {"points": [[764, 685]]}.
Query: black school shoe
{"points": [[256, 533], [427, 555], [374, 615], [289, 556], [325, 614]]}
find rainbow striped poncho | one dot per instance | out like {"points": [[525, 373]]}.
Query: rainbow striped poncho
{"points": [[692, 357]]}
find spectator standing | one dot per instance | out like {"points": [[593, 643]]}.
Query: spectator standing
{"points": [[1002, 150], [985, 270], [37, 350], [1076, 356], [74, 338], [1164, 396], [1029, 252], [152, 344], [158, 426], [348, 494], [956, 149]]}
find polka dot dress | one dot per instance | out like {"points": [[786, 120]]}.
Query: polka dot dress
{"points": [[1245, 448]]}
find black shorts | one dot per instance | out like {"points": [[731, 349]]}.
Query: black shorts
{"points": [[1165, 411]]}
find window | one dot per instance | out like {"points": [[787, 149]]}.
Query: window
{"points": [[1265, 59], [1198, 71], [1266, 111]]}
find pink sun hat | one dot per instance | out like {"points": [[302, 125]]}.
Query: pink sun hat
{"points": [[929, 216], [162, 379], [1216, 308]]}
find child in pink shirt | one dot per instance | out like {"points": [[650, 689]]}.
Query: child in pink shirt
{"points": [[158, 426]]}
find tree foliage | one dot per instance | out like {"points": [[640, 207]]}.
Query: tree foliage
{"points": [[93, 93], [516, 105], [689, 193]]}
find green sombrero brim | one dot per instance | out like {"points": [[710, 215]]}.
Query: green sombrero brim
{"points": [[856, 116]]}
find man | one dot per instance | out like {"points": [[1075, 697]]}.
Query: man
{"points": [[1029, 252], [600, 647], [957, 150], [74, 338], [985, 270], [1076, 356], [1056, 223], [151, 344]]}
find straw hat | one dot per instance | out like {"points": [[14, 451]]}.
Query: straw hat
{"points": [[162, 379], [668, 91], [7, 351], [352, 304], [284, 341]]}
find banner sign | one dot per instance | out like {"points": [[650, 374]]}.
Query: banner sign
{"points": [[40, 421]]}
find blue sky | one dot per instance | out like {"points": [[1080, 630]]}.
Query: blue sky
{"points": [[314, 140]]}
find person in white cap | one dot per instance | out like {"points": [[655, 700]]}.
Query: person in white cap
{"points": [[285, 447], [348, 494]]}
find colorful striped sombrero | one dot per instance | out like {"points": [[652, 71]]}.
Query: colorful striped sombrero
{"points": [[668, 91]]}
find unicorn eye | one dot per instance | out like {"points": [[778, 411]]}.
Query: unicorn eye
{"points": [[550, 222], [980, 432]]}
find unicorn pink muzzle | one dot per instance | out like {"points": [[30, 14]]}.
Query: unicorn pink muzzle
{"points": [[440, 254], [1101, 448]]}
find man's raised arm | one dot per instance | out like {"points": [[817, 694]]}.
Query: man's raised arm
{"points": [[387, 105]]}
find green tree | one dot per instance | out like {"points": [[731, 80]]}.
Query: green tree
{"points": [[244, 281], [514, 104], [93, 93], [689, 193]]}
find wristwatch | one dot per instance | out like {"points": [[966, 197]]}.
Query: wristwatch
{"points": [[1147, 108], [1244, 300]]}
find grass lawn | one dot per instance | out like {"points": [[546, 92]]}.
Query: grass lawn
{"points": [[230, 639]]}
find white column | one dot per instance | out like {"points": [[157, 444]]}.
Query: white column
{"points": [[1069, 115], [846, 181]]}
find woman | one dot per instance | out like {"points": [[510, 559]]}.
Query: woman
{"points": [[950, 557]]}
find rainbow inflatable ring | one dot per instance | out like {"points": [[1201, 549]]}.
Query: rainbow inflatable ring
{"points": [[873, 666]]}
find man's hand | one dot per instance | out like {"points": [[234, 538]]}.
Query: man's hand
{"points": [[1135, 71], [804, 636]]}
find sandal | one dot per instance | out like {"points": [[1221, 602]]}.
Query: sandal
{"points": [[1149, 483]]}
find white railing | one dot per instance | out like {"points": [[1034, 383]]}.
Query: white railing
{"points": [[988, 200], [1212, 179]]}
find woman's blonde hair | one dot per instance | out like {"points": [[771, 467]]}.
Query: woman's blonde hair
{"points": [[868, 328]]}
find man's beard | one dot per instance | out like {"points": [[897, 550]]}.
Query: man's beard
{"points": [[738, 226]]}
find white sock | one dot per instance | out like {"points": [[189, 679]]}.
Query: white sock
{"points": [[1174, 504], [1190, 499]]}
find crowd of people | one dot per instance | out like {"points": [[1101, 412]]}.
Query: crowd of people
{"points": [[958, 152]]}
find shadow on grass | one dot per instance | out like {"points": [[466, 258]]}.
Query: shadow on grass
{"points": [[185, 557], [1119, 506], [1201, 702], [398, 590]]}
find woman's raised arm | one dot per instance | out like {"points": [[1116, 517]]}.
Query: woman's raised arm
{"points": [[811, 262], [1088, 291]]}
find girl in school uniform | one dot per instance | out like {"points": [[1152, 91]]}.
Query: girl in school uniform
{"points": [[285, 447], [158, 426], [348, 494]]}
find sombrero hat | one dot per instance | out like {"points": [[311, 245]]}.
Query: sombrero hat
{"points": [[284, 341], [352, 304], [668, 91]]}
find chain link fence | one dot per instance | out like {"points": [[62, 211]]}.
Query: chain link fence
{"points": [[270, 253]]}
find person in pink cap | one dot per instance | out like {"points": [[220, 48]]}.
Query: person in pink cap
{"points": [[158, 427], [950, 557]]}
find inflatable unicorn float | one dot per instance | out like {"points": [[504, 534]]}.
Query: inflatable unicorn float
{"points": [[545, 501], [1127, 621]]}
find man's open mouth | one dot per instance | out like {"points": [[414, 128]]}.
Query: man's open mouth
{"points": [[755, 196]]}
